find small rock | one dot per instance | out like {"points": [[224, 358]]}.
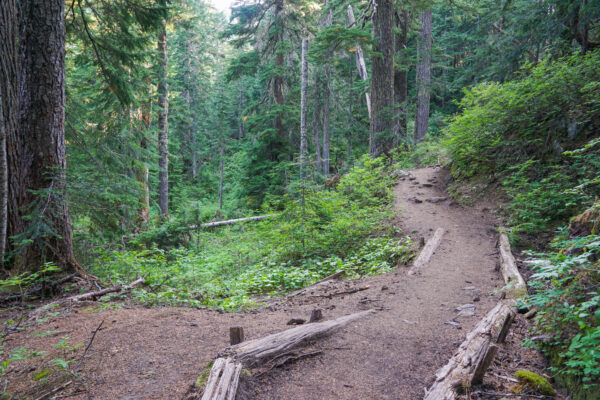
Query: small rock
{"points": [[411, 178], [427, 185], [409, 322], [454, 324], [470, 288], [476, 299], [415, 200], [296, 321], [444, 304], [465, 307], [466, 313], [384, 288], [436, 199]]}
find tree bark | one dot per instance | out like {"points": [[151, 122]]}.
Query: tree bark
{"points": [[382, 80], [221, 168], [8, 105], [423, 76], [38, 215], [360, 61], [143, 172], [163, 125], [401, 74], [326, 103], [316, 126], [303, 88]]}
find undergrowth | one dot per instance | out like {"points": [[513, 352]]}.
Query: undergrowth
{"points": [[315, 233]]}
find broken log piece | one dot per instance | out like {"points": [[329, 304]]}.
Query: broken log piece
{"points": [[430, 247], [236, 335], [231, 221], [256, 352], [484, 364], [316, 315], [516, 286], [473, 356], [223, 380]]}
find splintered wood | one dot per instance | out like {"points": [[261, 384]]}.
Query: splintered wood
{"points": [[430, 247], [474, 355], [224, 375], [516, 286]]}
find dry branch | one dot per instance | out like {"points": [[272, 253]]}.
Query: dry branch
{"points": [[88, 296], [314, 285], [231, 221], [430, 247]]}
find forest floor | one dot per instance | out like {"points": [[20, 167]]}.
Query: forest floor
{"points": [[156, 353]]}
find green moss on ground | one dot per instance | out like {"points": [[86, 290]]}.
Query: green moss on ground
{"points": [[535, 382]]}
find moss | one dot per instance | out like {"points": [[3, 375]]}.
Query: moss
{"points": [[204, 376], [535, 382], [587, 223]]}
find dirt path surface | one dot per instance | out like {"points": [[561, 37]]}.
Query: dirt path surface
{"points": [[142, 353]]}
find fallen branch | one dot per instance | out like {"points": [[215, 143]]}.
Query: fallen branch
{"points": [[430, 247], [326, 279], [88, 345], [349, 291], [88, 296], [231, 221]]}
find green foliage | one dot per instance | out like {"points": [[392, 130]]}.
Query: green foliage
{"points": [[23, 281], [537, 137], [566, 284], [313, 236]]}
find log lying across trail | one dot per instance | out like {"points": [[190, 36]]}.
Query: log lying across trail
{"points": [[468, 365], [231, 221], [224, 375], [430, 247]]}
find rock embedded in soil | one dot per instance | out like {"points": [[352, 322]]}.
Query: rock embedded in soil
{"points": [[296, 321]]}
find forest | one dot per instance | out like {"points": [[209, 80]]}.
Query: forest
{"points": [[233, 161]]}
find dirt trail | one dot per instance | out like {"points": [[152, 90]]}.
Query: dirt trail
{"points": [[143, 353]]}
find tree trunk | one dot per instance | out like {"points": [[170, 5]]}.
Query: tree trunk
{"points": [[163, 125], [316, 126], [382, 79], [241, 123], [303, 86], [326, 103], [401, 74], [143, 172], [35, 143], [221, 168], [9, 102], [188, 131], [423, 76], [360, 61]]}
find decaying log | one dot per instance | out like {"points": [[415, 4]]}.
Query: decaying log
{"points": [[474, 355], [223, 380], [88, 296], [225, 372], [516, 286], [430, 247], [255, 352], [231, 221]]}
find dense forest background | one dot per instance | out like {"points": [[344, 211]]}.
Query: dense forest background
{"points": [[176, 115]]}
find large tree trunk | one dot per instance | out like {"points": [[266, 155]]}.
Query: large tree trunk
{"points": [[142, 172], [36, 154], [163, 125], [303, 88], [401, 73], [326, 103], [9, 101], [317, 125], [360, 61], [423, 76], [382, 80]]}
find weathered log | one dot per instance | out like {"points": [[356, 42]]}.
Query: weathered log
{"points": [[430, 247], [224, 375], [474, 355], [231, 221], [256, 352], [88, 296], [515, 284], [223, 380]]}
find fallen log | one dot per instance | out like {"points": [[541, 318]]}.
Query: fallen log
{"points": [[231, 221], [224, 375], [515, 284], [474, 355], [88, 296], [430, 247]]}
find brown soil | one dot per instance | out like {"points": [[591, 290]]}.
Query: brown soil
{"points": [[156, 353]]}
